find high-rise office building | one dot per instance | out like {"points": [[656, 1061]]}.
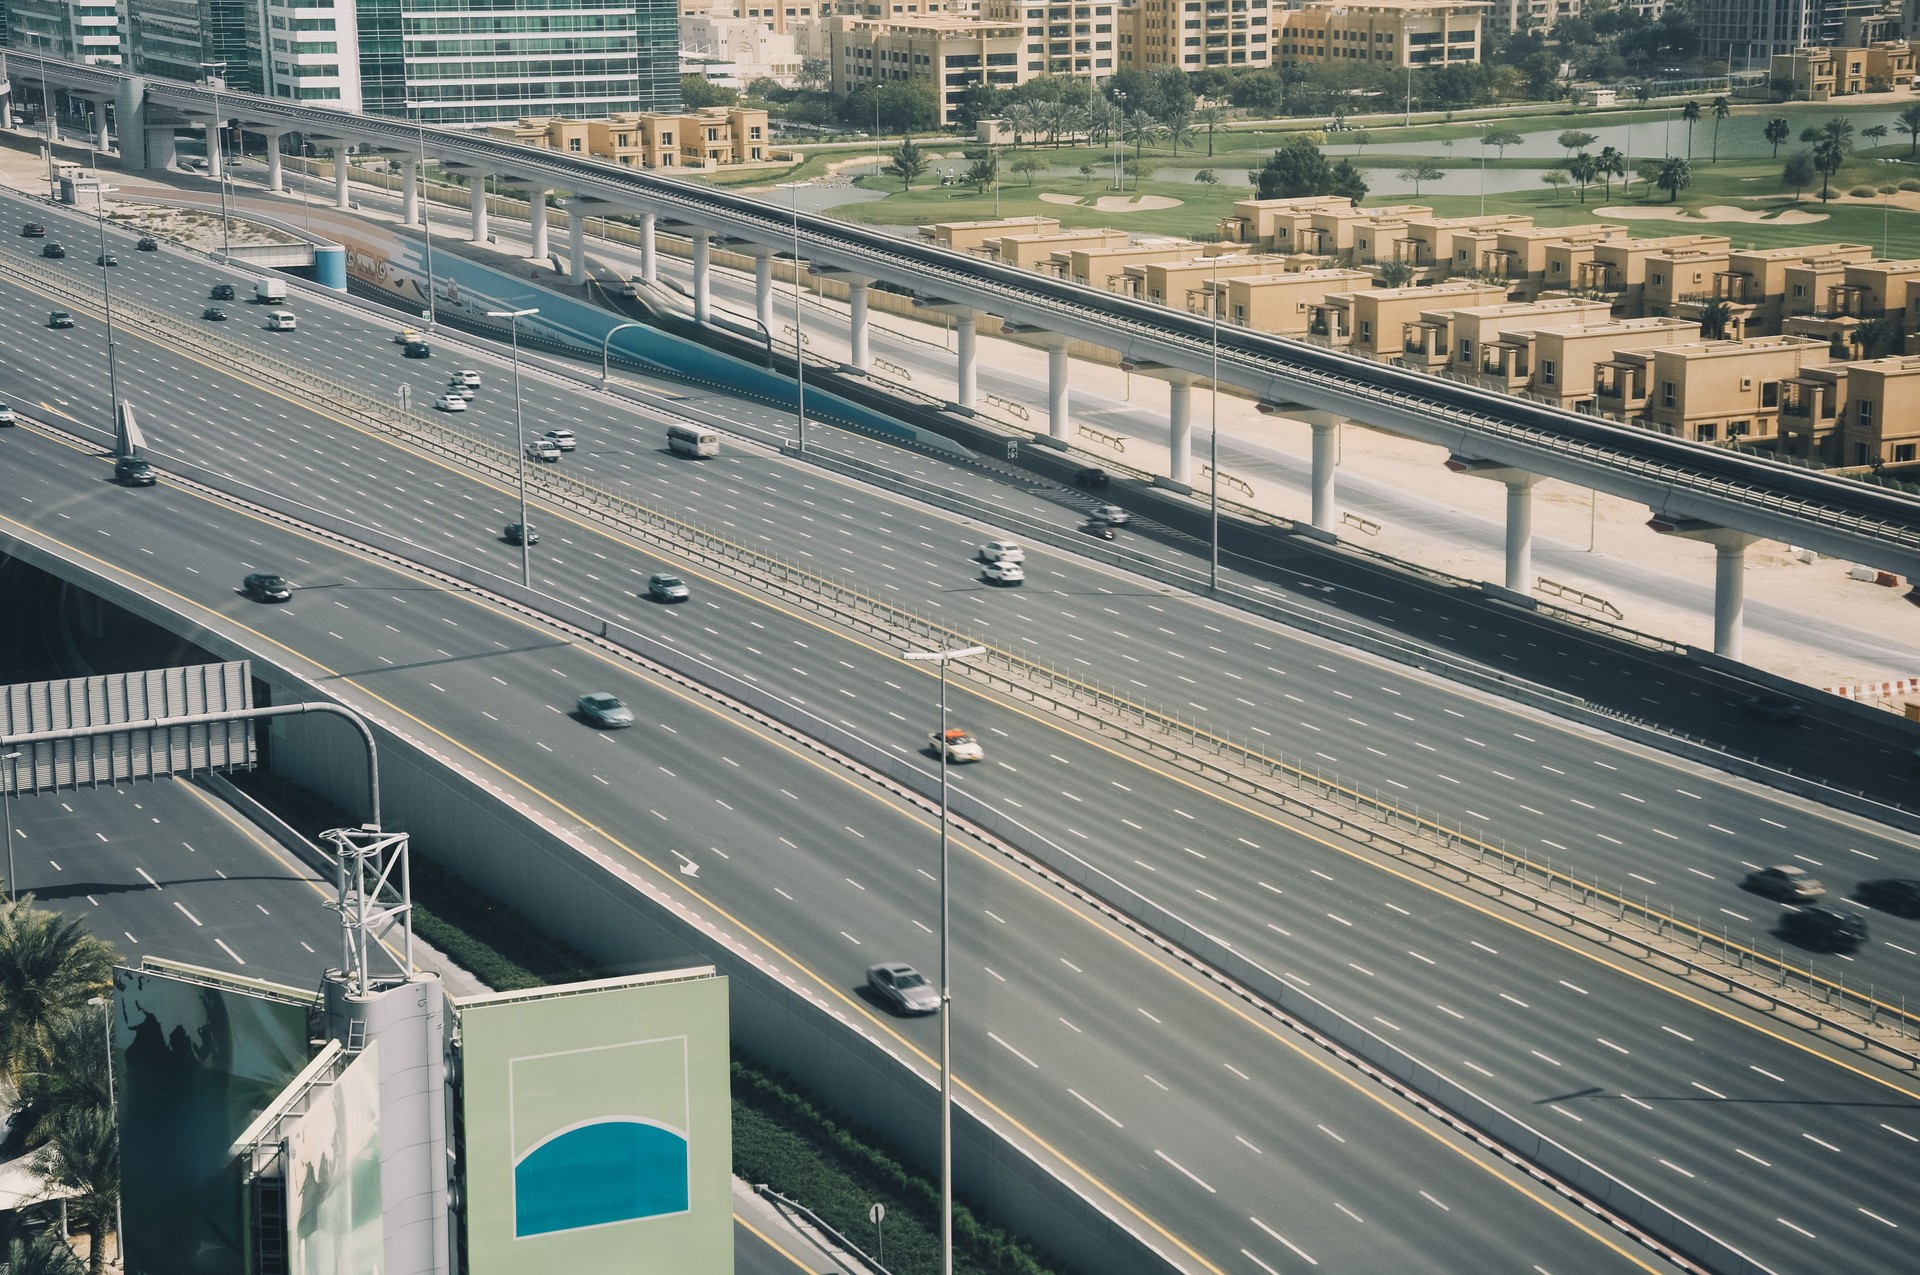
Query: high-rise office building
{"points": [[73, 30]]}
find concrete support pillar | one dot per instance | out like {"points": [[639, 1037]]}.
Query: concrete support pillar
{"points": [[216, 161], [276, 175], [537, 205], [763, 288], [477, 208], [1729, 595], [649, 264], [1059, 392], [576, 244], [99, 126], [409, 194], [1326, 462], [969, 382], [342, 170], [1180, 428], [1520, 531], [702, 252], [861, 356]]}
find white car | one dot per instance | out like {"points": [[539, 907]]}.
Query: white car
{"points": [[460, 391], [1002, 551], [563, 439], [1003, 573], [6, 415], [468, 377], [542, 449], [960, 746], [1110, 516], [450, 402]]}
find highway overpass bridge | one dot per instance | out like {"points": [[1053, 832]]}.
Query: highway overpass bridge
{"points": [[1727, 498]]}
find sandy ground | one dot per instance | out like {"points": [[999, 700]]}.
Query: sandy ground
{"points": [[1789, 594], [1116, 203], [1712, 212]]}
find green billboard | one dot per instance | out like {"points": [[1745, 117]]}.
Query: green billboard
{"points": [[597, 1129]]}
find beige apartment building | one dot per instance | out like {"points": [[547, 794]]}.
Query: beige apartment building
{"points": [[977, 236], [1753, 284], [950, 52], [1706, 391], [1034, 251], [1617, 269], [1832, 300], [1061, 37], [1396, 33], [706, 138], [1566, 359], [1856, 414], [1106, 268], [1372, 321], [1518, 255], [1492, 345], [1820, 74], [1196, 34], [1444, 247], [1283, 304], [1186, 282]]}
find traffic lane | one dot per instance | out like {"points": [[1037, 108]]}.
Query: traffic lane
{"points": [[160, 868], [527, 760]]}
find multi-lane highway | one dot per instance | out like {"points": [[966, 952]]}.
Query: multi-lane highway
{"points": [[1519, 1016], [1118, 1059]]}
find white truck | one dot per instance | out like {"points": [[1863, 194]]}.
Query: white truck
{"points": [[270, 292]]}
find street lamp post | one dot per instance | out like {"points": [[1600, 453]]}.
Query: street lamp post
{"points": [[513, 318], [1120, 144], [12, 759], [1213, 446], [943, 658], [106, 290], [799, 359], [426, 219], [216, 83], [106, 1016]]}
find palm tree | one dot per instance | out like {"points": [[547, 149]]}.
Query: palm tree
{"points": [[1676, 175], [1909, 120], [1610, 163], [1179, 125], [1831, 143], [1720, 111], [1024, 120], [1691, 114], [45, 1254], [1583, 168], [1421, 172], [1210, 117], [83, 1155], [907, 163], [70, 1075], [1106, 119], [1715, 318], [1142, 128], [1394, 274], [1777, 131], [49, 965]]}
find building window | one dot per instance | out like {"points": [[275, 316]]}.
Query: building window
{"points": [[1366, 331], [1903, 453], [1667, 394], [1739, 429], [1549, 371], [1466, 350], [1708, 433], [1558, 268], [1770, 394], [1863, 413], [1658, 279]]}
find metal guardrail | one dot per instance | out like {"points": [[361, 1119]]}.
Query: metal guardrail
{"points": [[1364, 814], [1554, 589]]}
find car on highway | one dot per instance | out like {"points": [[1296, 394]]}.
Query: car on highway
{"points": [[598, 708], [106, 259], [417, 349], [1784, 882], [6, 415], [1003, 573], [1898, 895], [265, 586], [281, 321], [222, 292], [664, 586], [53, 250], [1100, 531], [215, 313], [1818, 925], [468, 377], [450, 402], [1111, 515], [543, 450], [1781, 710], [407, 335], [59, 319], [148, 244], [513, 534], [1002, 551], [563, 439], [903, 988], [132, 471], [460, 391], [1091, 476], [34, 230], [957, 744]]}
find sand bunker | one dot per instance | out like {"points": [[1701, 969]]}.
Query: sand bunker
{"points": [[1134, 203], [1051, 198], [1712, 212]]}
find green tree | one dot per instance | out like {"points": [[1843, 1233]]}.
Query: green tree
{"points": [[1720, 111], [1832, 142], [1875, 133], [1137, 170], [908, 162], [1777, 131], [984, 173], [1676, 174], [1500, 139], [82, 1154], [49, 966], [697, 91], [1394, 274], [1027, 166], [1909, 121], [44, 1254], [1716, 317], [1799, 173], [1583, 168], [1210, 117], [1648, 171], [1690, 112], [1141, 128], [1574, 140], [69, 1075], [1178, 123], [1610, 163], [1556, 178], [1877, 337], [1207, 177], [1421, 172]]}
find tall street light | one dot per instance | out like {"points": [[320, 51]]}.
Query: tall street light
{"points": [[799, 360], [943, 658], [1120, 143], [216, 83], [106, 288], [426, 221], [520, 438], [12, 759], [1213, 444], [106, 1016]]}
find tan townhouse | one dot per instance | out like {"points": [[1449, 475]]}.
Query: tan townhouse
{"points": [[1566, 359], [1037, 251], [1753, 284], [1373, 321], [1492, 345], [1183, 283], [1617, 269], [974, 236], [1283, 304], [1518, 256], [1448, 246], [1706, 391], [1270, 225], [1106, 268]]}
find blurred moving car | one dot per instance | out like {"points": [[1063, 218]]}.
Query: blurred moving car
{"points": [[6, 415], [903, 988], [451, 403], [1002, 551], [59, 319], [958, 745], [664, 586], [34, 230], [1111, 515], [1091, 476], [602, 709], [222, 292], [133, 471], [544, 450], [563, 439], [106, 259], [1779, 709], [1818, 925], [1784, 882], [148, 244], [266, 586], [417, 349], [214, 313], [53, 250], [1003, 573], [1897, 895], [515, 534]]}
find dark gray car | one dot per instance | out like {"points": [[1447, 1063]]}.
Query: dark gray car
{"points": [[265, 586], [664, 586], [602, 709]]}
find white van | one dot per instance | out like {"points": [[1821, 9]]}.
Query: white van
{"points": [[281, 321], [692, 440]]}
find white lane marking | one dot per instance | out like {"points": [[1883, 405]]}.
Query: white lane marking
{"points": [[190, 916], [237, 959], [1010, 1049], [1184, 1169], [1095, 1109], [1297, 1250]]}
